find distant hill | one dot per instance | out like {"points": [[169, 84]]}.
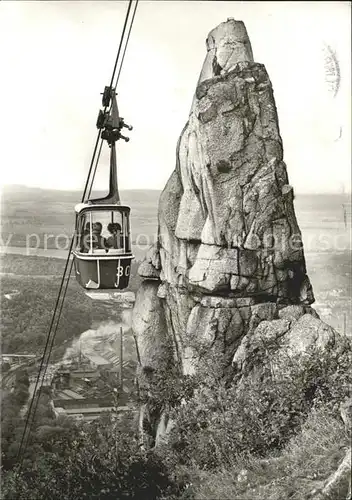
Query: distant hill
{"points": [[22, 189], [42, 212], [18, 192]]}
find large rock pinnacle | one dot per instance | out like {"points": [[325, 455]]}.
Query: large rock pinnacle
{"points": [[226, 217], [229, 252]]}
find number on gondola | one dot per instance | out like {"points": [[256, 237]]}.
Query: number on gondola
{"points": [[119, 272]]}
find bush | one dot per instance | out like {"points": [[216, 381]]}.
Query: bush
{"points": [[97, 462], [11, 421], [306, 462], [264, 412]]}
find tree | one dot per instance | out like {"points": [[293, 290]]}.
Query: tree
{"points": [[94, 461]]}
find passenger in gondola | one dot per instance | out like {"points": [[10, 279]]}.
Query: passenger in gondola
{"points": [[114, 241], [85, 242], [92, 237], [99, 241]]}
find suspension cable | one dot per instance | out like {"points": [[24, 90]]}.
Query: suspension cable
{"points": [[30, 427], [105, 108], [45, 352], [121, 41], [128, 37], [114, 89]]}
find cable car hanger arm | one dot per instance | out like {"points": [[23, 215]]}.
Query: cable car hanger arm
{"points": [[91, 173]]}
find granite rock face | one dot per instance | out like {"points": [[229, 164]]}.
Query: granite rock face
{"points": [[229, 254], [290, 336], [226, 217]]}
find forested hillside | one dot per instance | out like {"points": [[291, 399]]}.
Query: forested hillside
{"points": [[29, 289]]}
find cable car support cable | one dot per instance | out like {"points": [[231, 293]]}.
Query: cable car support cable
{"points": [[29, 412], [51, 344], [113, 86]]}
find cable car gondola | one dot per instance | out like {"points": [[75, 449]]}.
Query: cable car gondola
{"points": [[102, 243]]}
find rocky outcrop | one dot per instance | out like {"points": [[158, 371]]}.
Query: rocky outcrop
{"points": [[226, 218], [295, 335], [229, 266]]}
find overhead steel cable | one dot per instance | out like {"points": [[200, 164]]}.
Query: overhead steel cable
{"points": [[114, 89], [50, 340], [121, 42], [124, 52], [106, 107], [51, 345], [44, 354]]}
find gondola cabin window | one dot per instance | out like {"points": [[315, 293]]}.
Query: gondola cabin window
{"points": [[103, 232]]}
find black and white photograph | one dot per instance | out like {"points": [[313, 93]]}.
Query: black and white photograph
{"points": [[175, 250]]}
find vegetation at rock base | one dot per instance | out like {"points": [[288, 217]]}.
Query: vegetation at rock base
{"points": [[67, 459], [302, 466], [93, 461], [267, 424], [11, 422], [45, 426], [271, 437], [98, 460]]}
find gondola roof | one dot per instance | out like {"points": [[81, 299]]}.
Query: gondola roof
{"points": [[80, 207]]}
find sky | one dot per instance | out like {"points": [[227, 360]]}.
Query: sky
{"points": [[56, 58]]}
